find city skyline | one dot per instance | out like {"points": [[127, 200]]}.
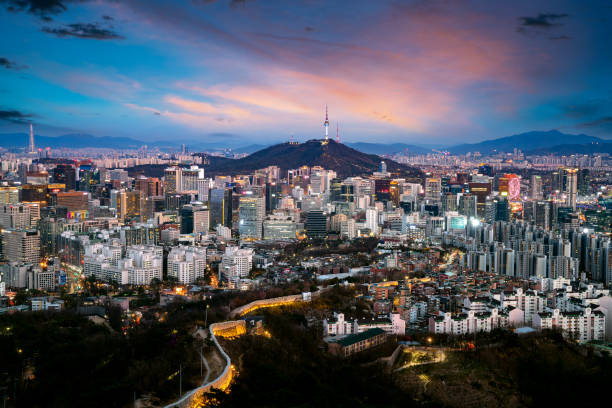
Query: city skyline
{"points": [[217, 71]]}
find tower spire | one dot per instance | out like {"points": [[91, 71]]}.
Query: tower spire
{"points": [[32, 139], [326, 124]]}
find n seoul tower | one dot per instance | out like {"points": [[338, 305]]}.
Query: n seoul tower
{"points": [[326, 124]]}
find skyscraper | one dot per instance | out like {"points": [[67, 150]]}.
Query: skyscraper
{"points": [[570, 186], [65, 174], [172, 180], [221, 207], [251, 215], [32, 148], [433, 189], [536, 188]]}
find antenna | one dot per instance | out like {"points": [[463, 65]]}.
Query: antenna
{"points": [[337, 133]]}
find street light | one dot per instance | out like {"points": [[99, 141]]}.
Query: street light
{"points": [[206, 317]]}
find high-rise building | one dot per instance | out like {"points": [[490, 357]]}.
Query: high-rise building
{"points": [[190, 177], [15, 216], [172, 180], [65, 174], [383, 167], [21, 246], [221, 207], [187, 264], [510, 186], [72, 200], [382, 190], [195, 219], [468, 205], [570, 186], [9, 195], [584, 182], [481, 190], [150, 186], [433, 189], [274, 193], [536, 188], [236, 263], [502, 209], [372, 220], [542, 214], [316, 224], [251, 214], [32, 147]]}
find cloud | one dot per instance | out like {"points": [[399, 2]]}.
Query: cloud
{"points": [[560, 37], [14, 116], [108, 18], [232, 3], [8, 64], [154, 111], [84, 30], [603, 123], [43, 9], [222, 112], [587, 109], [542, 20]]}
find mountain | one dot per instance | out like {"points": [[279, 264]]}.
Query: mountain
{"points": [[339, 157], [390, 149], [12, 140], [569, 149], [525, 142], [77, 141]]}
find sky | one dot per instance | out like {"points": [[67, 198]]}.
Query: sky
{"points": [[258, 71]]}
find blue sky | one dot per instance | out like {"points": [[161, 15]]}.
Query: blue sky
{"points": [[256, 71]]}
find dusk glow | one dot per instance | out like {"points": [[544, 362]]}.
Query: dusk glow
{"points": [[434, 72]]}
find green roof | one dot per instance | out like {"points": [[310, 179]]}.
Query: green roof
{"points": [[356, 338]]}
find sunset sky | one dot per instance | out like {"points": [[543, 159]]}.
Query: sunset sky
{"points": [[256, 71]]}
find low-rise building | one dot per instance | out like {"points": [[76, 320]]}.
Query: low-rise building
{"points": [[355, 343]]}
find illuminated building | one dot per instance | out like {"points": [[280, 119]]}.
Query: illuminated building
{"points": [[251, 214], [21, 246], [510, 187], [172, 180], [9, 195], [72, 200], [221, 207], [195, 219], [382, 190], [187, 264], [433, 189], [65, 174]]}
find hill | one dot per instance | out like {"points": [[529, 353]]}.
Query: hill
{"points": [[525, 142], [333, 156]]}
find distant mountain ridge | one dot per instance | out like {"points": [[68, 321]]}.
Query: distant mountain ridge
{"points": [[536, 142], [526, 142], [16, 140], [80, 141]]}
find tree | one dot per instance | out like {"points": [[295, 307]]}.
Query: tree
{"points": [[115, 317], [21, 297]]}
